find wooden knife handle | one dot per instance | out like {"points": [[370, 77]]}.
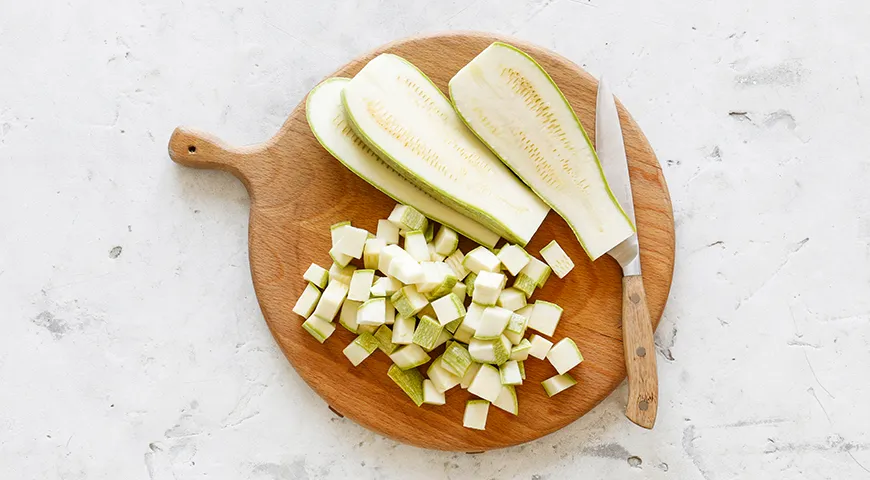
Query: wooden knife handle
{"points": [[640, 354]]}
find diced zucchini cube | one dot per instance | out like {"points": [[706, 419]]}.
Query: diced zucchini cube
{"points": [[427, 332], [525, 284], [409, 356], [486, 383], [564, 355], [511, 299], [361, 285], [352, 241], [415, 245], [403, 330], [407, 218], [537, 271], [510, 373], [545, 317], [442, 339], [317, 275], [339, 258], [372, 312], [475, 414], [540, 346], [469, 375], [331, 300], [446, 241], [456, 359], [307, 301], [408, 301], [388, 232], [386, 285], [409, 380], [487, 287], [448, 308], [455, 261], [514, 258], [347, 318], [436, 276], [406, 270], [339, 273], [384, 337], [481, 259], [558, 260], [495, 351], [389, 254], [522, 364], [443, 379], [558, 383], [431, 395], [360, 348], [319, 328], [372, 252], [521, 351], [336, 229], [516, 328], [492, 323], [507, 400]]}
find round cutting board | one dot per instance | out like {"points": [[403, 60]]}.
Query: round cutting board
{"points": [[298, 190]]}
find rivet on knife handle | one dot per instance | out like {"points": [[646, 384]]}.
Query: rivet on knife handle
{"points": [[640, 358]]}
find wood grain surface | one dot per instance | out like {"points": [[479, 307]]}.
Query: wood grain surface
{"points": [[297, 190]]}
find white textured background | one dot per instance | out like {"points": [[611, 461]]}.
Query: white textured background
{"points": [[132, 346]]}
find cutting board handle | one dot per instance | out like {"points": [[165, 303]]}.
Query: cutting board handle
{"points": [[197, 149]]}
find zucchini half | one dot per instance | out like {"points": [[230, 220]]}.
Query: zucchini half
{"points": [[399, 113], [326, 117], [516, 109]]}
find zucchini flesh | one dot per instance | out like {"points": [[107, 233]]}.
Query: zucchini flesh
{"points": [[507, 400], [431, 395], [540, 346], [559, 383], [309, 299], [427, 332], [410, 381], [384, 336], [545, 317], [317, 275], [564, 355], [486, 383], [326, 117], [400, 114], [510, 373], [515, 108], [475, 414]]}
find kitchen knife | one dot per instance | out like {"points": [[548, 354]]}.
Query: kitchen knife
{"points": [[637, 333]]}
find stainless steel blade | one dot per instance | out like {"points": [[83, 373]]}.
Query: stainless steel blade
{"points": [[611, 152]]}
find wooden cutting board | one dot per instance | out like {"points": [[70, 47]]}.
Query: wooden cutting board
{"points": [[298, 190]]}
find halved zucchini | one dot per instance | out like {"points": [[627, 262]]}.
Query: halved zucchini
{"points": [[399, 113], [326, 117], [515, 108]]}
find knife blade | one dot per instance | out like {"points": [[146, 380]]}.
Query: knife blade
{"points": [[611, 152], [637, 334]]}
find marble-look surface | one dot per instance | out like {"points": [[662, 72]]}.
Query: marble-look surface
{"points": [[132, 346]]}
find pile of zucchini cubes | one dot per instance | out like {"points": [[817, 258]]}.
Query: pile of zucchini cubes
{"points": [[408, 300]]}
